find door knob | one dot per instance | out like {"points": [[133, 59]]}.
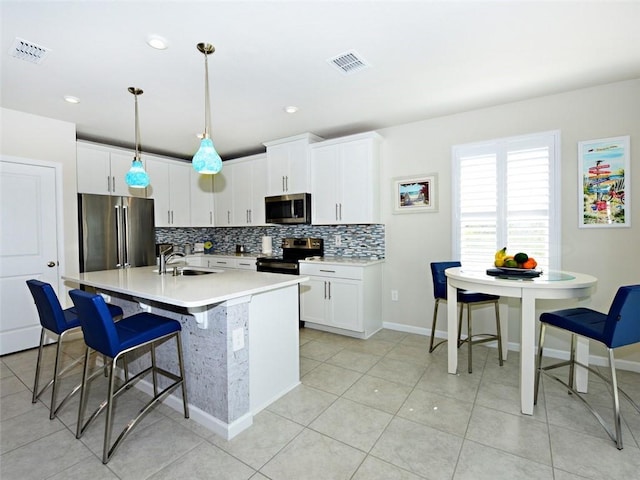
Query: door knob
{"points": [[51, 264]]}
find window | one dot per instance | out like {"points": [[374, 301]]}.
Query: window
{"points": [[505, 194]]}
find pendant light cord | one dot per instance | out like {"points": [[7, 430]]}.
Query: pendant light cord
{"points": [[207, 100], [137, 155]]}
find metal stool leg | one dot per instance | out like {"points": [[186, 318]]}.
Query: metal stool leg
{"points": [[616, 400], [433, 327], [499, 334], [536, 388], [34, 398], [469, 337], [184, 382]]}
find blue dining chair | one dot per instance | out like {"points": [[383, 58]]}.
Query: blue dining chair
{"points": [[115, 339], [55, 320], [468, 299], [618, 328]]}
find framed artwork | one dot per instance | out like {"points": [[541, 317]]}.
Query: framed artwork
{"points": [[415, 194], [604, 183]]}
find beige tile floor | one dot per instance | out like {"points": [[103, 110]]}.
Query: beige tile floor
{"points": [[383, 408]]}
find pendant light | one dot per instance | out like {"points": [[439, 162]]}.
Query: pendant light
{"points": [[137, 177], [206, 160]]}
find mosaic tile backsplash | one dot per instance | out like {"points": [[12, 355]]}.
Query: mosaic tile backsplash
{"points": [[355, 240]]}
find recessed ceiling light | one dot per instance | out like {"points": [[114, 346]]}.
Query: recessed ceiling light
{"points": [[291, 109], [71, 99], [157, 42]]}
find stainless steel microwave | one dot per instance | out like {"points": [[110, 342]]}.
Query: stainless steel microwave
{"points": [[288, 209]]}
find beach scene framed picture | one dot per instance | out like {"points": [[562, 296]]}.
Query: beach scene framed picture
{"points": [[415, 194], [604, 189]]}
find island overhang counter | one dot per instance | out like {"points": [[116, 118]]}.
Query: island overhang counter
{"points": [[240, 336]]}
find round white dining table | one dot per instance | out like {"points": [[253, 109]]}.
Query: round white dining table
{"points": [[551, 285]]}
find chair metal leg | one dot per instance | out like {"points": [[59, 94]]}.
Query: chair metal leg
{"points": [[56, 370], [83, 394], [432, 347], [154, 370], [35, 395], [616, 400], [572, 359], [108, 424], [185, 402], [469, 339], [499, 334], [539, 363], [460, 325]]}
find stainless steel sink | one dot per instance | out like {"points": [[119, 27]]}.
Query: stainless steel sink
{"points": [[187, 271]]}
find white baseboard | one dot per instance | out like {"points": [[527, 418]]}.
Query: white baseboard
{"points": [[515, 347]]}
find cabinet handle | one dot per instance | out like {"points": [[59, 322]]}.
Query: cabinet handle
{"points": [[169, 217], [337, 212], [329, 290], [228, 217], [210, 218], [283, 184], [340, 211], [113, 184], [108, 183], [325, 289], [328, 271], [286, 180]]}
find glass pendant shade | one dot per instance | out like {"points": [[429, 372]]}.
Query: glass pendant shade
{"points": [[206, 160], [137, 177]]}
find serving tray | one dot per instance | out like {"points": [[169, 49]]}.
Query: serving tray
{"points": [[506, 272]]}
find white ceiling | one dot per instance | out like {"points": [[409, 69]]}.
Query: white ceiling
{"points": [[428, 58]]}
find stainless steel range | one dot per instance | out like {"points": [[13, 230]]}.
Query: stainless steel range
{"points": [[293, 250]]}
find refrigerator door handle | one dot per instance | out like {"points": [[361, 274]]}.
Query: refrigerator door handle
{"points": [[125, 236], [119, 259]]}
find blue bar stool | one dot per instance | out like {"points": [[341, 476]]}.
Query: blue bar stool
{"points": [[113, 339], [55, 320], [619, 327], [465, 298]]}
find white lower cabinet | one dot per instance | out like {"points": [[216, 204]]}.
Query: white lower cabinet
{"points": [[342, 298], [222, 261]]}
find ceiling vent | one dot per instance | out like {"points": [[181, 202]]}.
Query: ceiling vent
{"points": [[349, 62], [28, 51]]}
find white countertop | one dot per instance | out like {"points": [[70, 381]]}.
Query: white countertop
{"points": [[355, 261], [185, 291]]}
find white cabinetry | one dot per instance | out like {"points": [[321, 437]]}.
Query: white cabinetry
{"points": [[345, 176], [239, 191], [202, 204], [342, 298], [102, 170], [288, 164], [170, 186], [222, 261], [249, 186]]}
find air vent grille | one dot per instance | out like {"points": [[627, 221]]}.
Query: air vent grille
{"points": [[349, 62], [28, 51]]}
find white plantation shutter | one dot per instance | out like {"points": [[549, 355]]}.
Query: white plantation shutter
{"points": [[505, 195]]}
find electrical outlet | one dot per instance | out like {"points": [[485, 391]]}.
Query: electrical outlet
{"points": [[394, 295], [238, 339], [338, 240]]}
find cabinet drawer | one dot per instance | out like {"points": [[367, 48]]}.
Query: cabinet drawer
{"points": [[222, 262], [336, 271], [246, 263]]}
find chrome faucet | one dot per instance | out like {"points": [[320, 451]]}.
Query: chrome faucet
{"points": [[164, 259]]}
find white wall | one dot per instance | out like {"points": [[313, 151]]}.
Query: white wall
{"points": [[415, 240], [39, 138]]}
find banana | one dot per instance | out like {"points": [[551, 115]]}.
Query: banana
{"points": [[500, 257]]}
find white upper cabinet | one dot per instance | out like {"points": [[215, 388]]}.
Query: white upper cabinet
{"points": [[239, 191], [170, 184], [345, 176], [248, 191], [102, 171], [223, 196], [202, 204], [288, 164]]}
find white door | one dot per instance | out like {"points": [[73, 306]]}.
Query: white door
{"points": [[28, 248]]}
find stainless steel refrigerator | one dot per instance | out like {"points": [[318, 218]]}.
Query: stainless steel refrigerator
{"points": [[115, 232]]}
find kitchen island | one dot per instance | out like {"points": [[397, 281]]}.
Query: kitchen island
{"points": [[240, 335]]}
